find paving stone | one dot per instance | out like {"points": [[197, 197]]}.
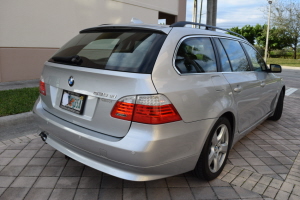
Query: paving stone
{"points": [[111, 182], [177, 182], [262, 153], [14, 193], [158, 194], [11, 170], [228, 168], [16, 146], [5, 161], [293, 197], [115, 194], [279, 169], [255, 177], [248, 184], [285, 160], [228, 177], [32, 171], [67, 182], [52, 171], [276, 183], [47, 147], [270, 192], [5, 181], [265, 180], [58, 162], [287, 187], [196, 182], [225, 193], [44, 154], [9, 153], [282, 195], [160, 183], [38, 161], [238, 162], [88, 171], [38, 194], [86, 194], [23, 182], [254, 161], [181, 194], [243, 193], [45, 182], [27, 153], [263, 170], [133, 184], [236, 170], [259, 188], [73, 163], [275, 153], [72, 171], [238, 181], [218, 183], [271, 161], [296, 190], [245, 174], [2, 190], [19, 162], [58, 154], [89, 182], [65, 194], [134, 194]]}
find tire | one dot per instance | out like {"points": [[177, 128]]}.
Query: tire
{"points": [[215, 151], [279, 107]]}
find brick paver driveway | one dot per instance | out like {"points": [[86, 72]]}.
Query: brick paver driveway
{"points": [[263, 165]]}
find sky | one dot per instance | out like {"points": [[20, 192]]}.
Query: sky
{"points": [[232, 13]]}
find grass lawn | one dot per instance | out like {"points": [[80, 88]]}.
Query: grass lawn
{"points": [[17, 101], [284, 62]]}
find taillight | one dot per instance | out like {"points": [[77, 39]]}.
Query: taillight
{"points": [[42, 87], [148, 109]]}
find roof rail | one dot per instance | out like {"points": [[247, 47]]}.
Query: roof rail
{"points": [[183, 23]]}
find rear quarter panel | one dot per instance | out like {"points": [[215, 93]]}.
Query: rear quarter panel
{"points": [[195, 96]]}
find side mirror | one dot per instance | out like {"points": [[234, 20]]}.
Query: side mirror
{"points": [[274, 68]]}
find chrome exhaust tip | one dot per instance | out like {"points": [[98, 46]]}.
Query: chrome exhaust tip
{"points": [[43, 136]]}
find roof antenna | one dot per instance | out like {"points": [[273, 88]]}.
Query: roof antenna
{"points": [[136, 21]]}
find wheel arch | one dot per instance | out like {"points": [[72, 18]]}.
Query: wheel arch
{"points": [[230, 116]]}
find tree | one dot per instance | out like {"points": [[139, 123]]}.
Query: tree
{"points": [[285, 15], [249, 32], [278, 39]]}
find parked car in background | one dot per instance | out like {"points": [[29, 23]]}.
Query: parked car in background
{"points": [[144, 102]]}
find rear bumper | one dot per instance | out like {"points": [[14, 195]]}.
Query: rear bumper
{"points": [[147, 152]]}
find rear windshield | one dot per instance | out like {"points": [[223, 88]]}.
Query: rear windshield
{"points": [[130, 51]]}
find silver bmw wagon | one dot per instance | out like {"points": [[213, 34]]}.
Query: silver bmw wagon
{"points": [[144, 102]]}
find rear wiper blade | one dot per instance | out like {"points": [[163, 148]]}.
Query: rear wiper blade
{"points": [[69, 59]]}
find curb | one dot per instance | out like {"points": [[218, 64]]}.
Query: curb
{"points": [[16, 119]]}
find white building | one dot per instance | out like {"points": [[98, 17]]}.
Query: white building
{"points": [[32, 30]]}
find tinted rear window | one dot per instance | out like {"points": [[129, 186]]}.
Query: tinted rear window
{"points": [[115, 50]]}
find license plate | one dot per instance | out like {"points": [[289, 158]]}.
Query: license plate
{"points": [[73, 102]]}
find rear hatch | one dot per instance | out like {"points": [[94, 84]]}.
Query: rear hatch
{"points": [[86, 77]]}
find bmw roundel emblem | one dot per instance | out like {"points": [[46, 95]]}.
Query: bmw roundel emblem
{"points": [[71, 81]]}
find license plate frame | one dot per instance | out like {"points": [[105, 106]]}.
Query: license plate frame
{"points": [[73, 102]]}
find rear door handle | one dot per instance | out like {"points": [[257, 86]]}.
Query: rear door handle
{"points": [[238, 89]]}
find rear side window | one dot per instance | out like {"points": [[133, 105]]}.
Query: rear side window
{"points": [[127, 51], [256, 60], [223, 57], [196, 55], [236, 55]]}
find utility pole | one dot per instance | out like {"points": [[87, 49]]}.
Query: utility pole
{"points": [[195, 12], [211, 14], [201, 11]]}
